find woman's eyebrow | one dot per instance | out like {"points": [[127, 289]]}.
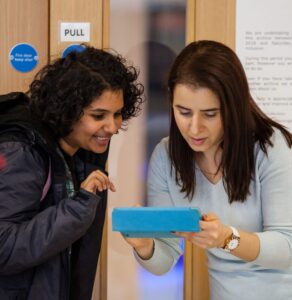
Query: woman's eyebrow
{"points": [[210, 109], [182, 107], [99, 110], [205, 110]]}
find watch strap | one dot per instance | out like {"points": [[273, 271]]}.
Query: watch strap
{"points": [[232, 242]]}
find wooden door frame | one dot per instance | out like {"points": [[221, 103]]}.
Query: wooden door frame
{"points": [[208, 20]]}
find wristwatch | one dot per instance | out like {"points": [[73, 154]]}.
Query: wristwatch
{"points": [[232, 242]]}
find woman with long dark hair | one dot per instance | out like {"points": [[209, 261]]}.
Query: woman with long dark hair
{"points": [[226, 157]]}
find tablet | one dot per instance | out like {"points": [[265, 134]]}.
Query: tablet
{"points": [[155, 222]]}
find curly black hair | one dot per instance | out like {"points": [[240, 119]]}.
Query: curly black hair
{"points": [[62, 89]]}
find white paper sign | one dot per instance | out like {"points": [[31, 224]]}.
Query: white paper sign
{"points": [[74, 32], [264, 46]]}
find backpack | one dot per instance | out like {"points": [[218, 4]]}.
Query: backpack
{"points": [[12, 106]]}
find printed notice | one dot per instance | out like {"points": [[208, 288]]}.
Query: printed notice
{"points": [[264, 46]]}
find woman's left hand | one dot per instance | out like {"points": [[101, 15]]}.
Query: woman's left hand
{"points": [[97, 181], [212, 235]]}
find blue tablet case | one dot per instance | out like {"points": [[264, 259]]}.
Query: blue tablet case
{"points": [[155, 222]]}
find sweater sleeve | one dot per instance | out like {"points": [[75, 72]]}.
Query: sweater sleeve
{"points": [[166, 251], [275, 174], [28, 236], [165, 256]]}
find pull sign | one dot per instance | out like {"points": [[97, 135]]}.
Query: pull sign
{"points": [[75, 32]]}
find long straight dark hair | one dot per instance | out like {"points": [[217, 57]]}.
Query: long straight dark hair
{"points": [[212, 65]]}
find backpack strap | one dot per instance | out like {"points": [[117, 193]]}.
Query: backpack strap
{"points": [[48, 182]]}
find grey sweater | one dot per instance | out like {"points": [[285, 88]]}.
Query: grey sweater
{"points": [[267, 212]]}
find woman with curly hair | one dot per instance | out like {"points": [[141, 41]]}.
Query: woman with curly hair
{"points": [[53, 185]]}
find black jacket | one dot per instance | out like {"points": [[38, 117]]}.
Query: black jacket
{"points": [[48, 249]]}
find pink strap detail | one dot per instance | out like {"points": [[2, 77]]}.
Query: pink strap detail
{"points": [[48, 182]]}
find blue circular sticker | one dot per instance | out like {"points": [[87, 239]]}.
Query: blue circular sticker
{"points": [[71, 48], [23, 57]]}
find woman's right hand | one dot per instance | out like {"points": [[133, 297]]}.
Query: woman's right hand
{"points": [[97, 181], [143, 246]]}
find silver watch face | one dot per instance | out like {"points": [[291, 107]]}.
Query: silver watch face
{"points": [[233, 244]]}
